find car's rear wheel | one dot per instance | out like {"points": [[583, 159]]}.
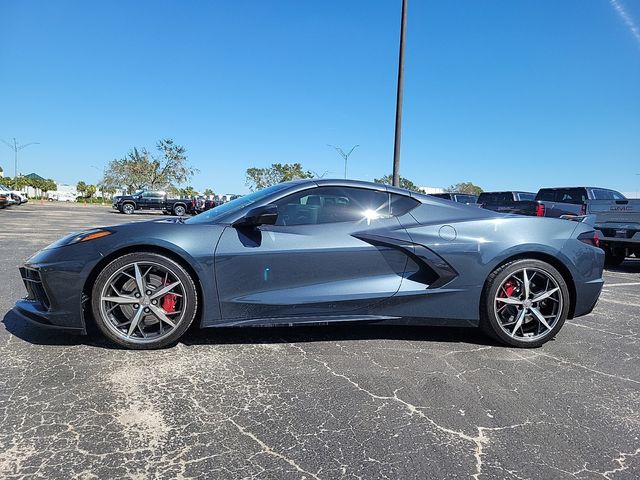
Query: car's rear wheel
{"points": [[179, 210], [614, 257], [128, 208], [144, 301], [524, 303]]}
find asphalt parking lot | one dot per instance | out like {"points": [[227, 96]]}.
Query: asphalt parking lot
{"points": [[314, 402]]}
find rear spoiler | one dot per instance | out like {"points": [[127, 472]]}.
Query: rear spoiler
{"points": [[586, 219]]}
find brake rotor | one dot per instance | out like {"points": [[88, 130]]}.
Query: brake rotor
{"points": [[153, 283]]}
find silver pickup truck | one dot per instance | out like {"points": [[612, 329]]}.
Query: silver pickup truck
{"points": [[617, 218]]}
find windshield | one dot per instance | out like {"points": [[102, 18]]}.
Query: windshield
{"points": [[237, 204]]}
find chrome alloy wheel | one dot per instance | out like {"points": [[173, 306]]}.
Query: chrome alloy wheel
{"points": [[143, 302], [528, 304]]}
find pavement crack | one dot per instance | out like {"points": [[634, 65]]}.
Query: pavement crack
{"points": [[269, 451], [593, 370], [479, 441], [621, 460]]}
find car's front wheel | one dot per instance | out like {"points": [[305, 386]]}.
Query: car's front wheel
{"points": [[128, 208], [144, 301], [524, 303], [179, 210]]}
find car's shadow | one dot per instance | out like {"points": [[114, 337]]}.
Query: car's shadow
{"points": [[262, 335], [630, 265]]}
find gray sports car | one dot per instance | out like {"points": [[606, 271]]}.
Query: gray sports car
{"points": [[319, 251]]}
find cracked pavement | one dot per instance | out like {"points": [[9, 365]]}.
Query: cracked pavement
{"points": [[314, 402]]}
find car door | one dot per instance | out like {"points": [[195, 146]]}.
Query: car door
{"points": [[311, 263]]}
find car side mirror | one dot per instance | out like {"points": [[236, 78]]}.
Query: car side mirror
{"points": [[265, 215]]}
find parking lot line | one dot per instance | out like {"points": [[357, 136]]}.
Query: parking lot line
{"points": [[629, 304]]}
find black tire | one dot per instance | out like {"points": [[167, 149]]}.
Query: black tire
{"points": [[613, 258], [189, 307], [179, 210], [128, 208], [489, 321]]}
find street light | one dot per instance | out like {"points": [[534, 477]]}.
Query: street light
{"points": [[344, 155], [15, 147], [399, 92]]}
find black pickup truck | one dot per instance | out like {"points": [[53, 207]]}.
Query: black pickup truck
{"points": [[153, 200], [466, 198], [521, 203]]}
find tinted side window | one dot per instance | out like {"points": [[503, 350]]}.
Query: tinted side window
{"points": [[446, 196], [401, 204], [545, 195], [604, 194], [153, 194], [600, 194], [466, 198], [526, 196], [332, 205], [496, 198], [576, 196]]}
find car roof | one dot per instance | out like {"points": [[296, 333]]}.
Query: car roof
{"points": [[508, 191], [341, 182], [574, 188]]}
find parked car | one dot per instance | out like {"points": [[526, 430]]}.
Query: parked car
{"points": [[319, 251], [467, 198], [61, 197], [13, 196], [7, 198], [204, 203], [616, 217], [521, 203], [153, 200]]}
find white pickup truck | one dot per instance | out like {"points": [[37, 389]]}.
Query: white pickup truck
{"points": [[616, 217]]}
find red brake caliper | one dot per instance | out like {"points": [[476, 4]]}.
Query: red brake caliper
{"points": [[509, 288], [169, 302]]}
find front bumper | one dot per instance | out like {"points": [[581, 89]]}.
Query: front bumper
{"points": [[54, 279], [31, 312]]}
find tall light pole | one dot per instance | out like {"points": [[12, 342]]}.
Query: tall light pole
{"points": [[15, 147], [344, 155], [398, 133]]}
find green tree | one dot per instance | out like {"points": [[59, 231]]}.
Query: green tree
{"points": [[259, 178], [208, 192], [90, 191], [404, 183], [464, 187], [49, 185], [81, 188], [188, 191], [142, 169]]}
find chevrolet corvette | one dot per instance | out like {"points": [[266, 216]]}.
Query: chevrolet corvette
{"points": [[317, 252]]}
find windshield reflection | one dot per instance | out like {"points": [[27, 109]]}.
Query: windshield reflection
{"points": [[238, 204]]}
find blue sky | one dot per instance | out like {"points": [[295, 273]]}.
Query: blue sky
{"points": [[507, 94]]}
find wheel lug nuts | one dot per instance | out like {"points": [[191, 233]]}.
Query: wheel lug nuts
{"points": [[153, 302], [136, 306], [146, 310], [137, 295], [148, 292]]}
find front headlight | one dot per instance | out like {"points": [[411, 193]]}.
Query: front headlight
{"points": [[86, 236]]}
